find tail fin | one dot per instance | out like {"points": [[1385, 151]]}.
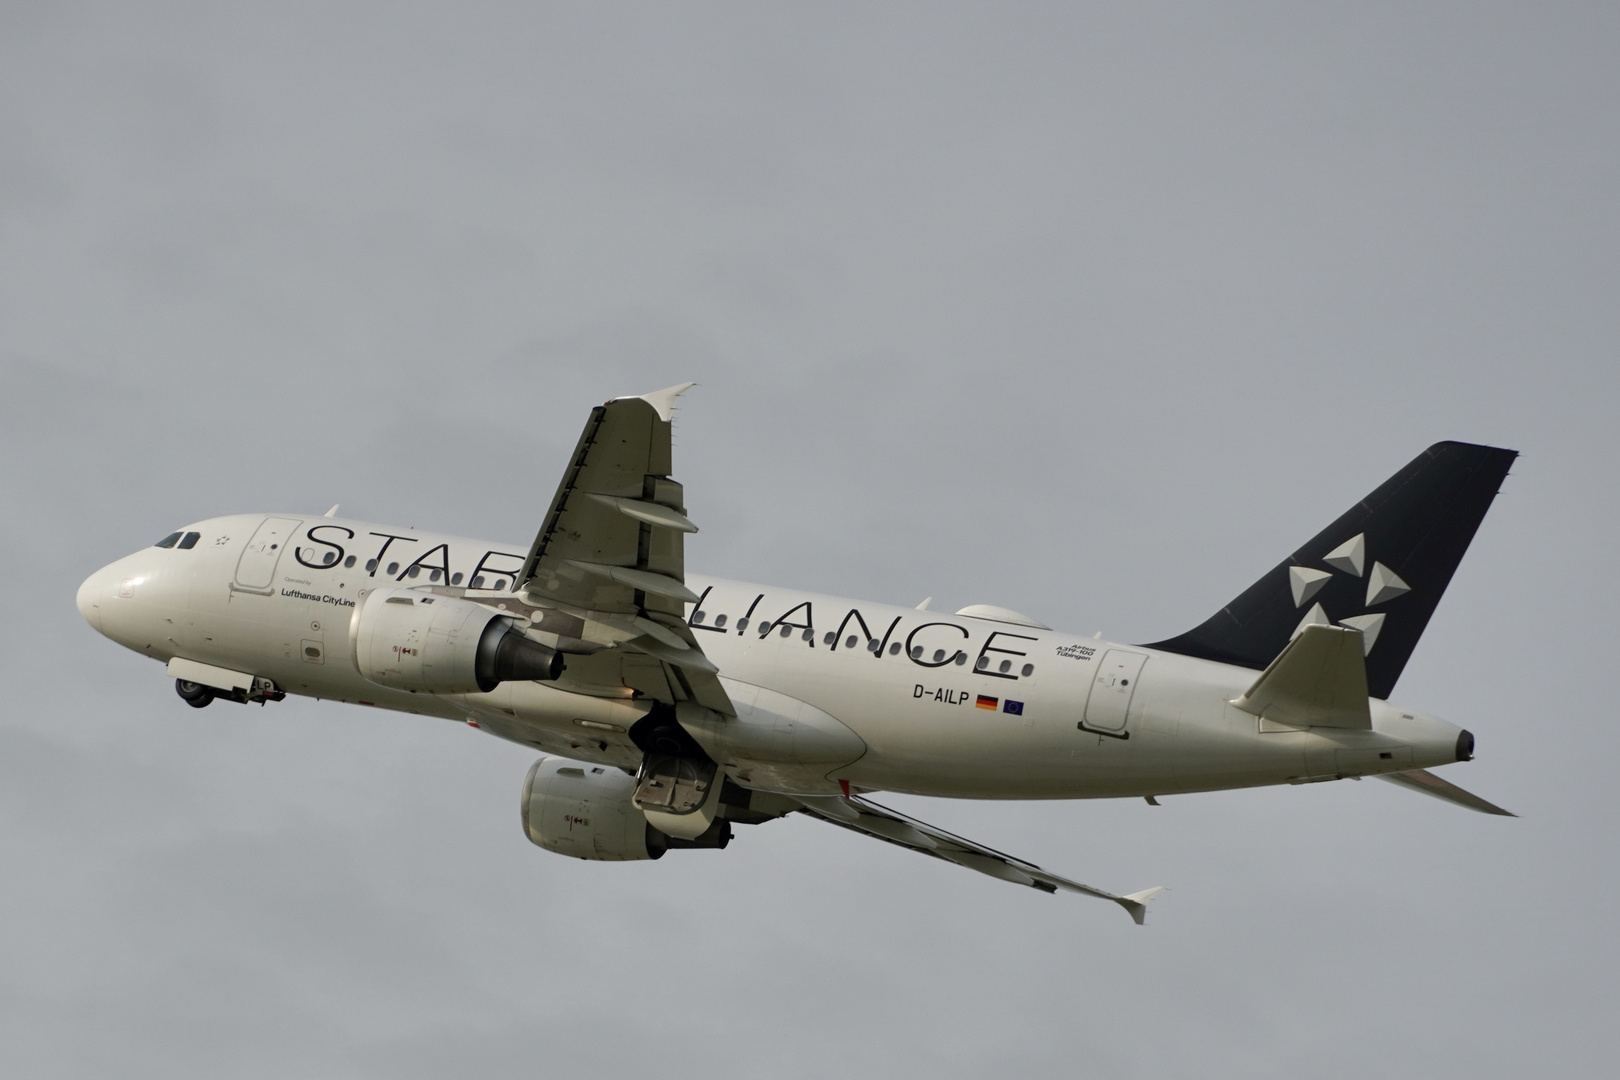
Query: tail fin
{"points": [[1381, 568]]}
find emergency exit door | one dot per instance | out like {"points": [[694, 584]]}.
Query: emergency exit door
{"points": [[1111, 689]]}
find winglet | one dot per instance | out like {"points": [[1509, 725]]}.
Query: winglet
{"points": [[1136, 902], [662, 400]]}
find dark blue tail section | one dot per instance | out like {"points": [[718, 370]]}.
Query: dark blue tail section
{"points": [[1382, 568]]}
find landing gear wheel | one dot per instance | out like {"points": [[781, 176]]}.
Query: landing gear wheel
{"points": [[194, 694]]}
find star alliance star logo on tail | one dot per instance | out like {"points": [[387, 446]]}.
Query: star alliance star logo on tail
{"points": [[1350, 557]]}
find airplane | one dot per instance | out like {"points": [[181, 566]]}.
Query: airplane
{"points": [[670, 707]]}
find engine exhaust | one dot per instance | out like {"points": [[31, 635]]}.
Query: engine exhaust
{"points": [[508, 655]]}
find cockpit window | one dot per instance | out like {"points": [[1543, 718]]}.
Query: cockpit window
{"points": [[168, 541], [189, 541]]}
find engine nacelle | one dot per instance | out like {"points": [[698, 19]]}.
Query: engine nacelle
{"points": [[409, 640], [583, 810]]}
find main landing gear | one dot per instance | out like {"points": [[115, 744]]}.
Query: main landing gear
{"points": [[199, 696], [678, 786]]}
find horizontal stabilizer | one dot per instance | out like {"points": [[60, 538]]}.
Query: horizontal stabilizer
{"points": [[1430, 784], [1318, 680]]}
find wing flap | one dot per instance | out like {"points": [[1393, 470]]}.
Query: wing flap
{"points": [[860, 814]]}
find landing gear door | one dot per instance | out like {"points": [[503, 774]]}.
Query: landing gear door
{"points": [[257, 567], [1111, 689]]}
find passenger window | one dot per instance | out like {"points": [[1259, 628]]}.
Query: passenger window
{"points": [[371, 566], [829, 638], [413, 571], [894, 650], [189, 541], [393, 568], [349, 561], [720, 621], [434, 576], [168, 541], [849, 643], [455, 578], [477, 581]]}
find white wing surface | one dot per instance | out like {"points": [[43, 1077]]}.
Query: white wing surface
{"points": [[864, 816]]}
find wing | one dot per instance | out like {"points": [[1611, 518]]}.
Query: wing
{"points": [[608, 568], [864, 816]]}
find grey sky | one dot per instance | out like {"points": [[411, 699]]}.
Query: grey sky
{"points": [[1091, 313]]}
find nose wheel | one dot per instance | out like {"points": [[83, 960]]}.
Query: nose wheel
{"points": [[194, 694], [198, 695]]}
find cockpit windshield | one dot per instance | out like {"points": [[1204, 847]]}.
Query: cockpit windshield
{"points": [[185, 541]]}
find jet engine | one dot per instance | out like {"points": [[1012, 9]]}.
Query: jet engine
{"points": [[583, 810], [409, 640]]}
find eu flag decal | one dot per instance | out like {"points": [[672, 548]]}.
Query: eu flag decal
{"points": [[1014, 707], [985, 702]]}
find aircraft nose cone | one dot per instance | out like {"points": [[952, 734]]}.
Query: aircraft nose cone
{"points": [[89, 599]]}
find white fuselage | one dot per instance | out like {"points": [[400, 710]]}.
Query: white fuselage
{"points": [[948, 705]]}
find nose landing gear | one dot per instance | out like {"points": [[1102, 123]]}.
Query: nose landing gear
{"points": [[199, 696], [194, 694]]}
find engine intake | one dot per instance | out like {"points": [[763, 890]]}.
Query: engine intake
{"points": [[583, 810], [408, 640]]}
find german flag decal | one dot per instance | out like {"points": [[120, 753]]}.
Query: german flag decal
{"points": [[987, 703]]}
